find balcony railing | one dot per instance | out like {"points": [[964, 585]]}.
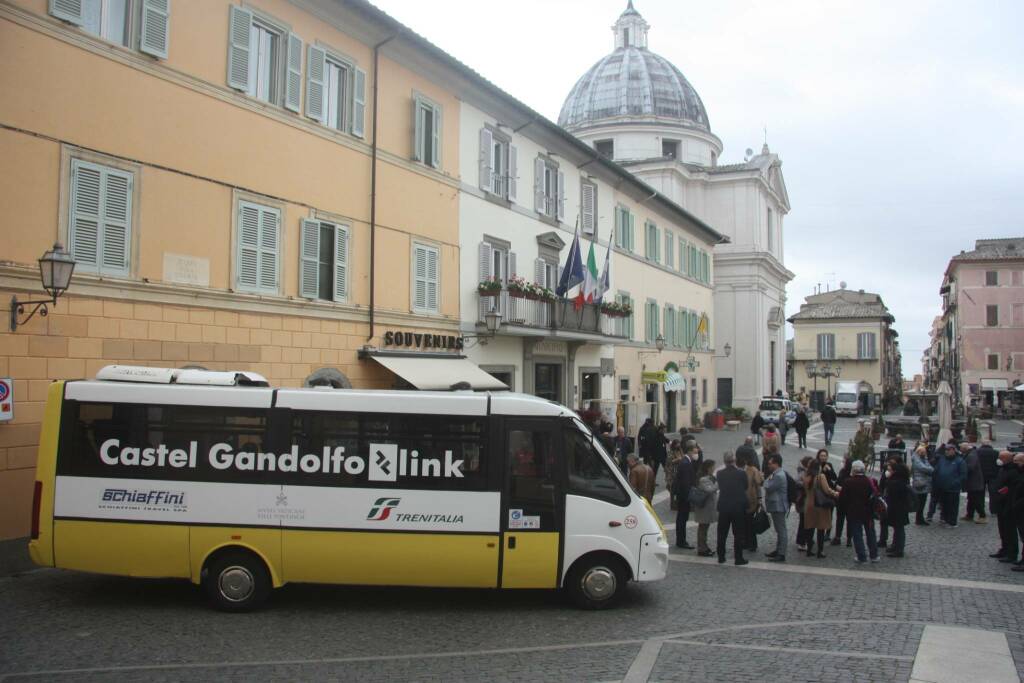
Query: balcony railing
{"points": [[550, 315]]}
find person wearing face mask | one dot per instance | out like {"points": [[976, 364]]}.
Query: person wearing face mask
{"points": [[999, 500]]}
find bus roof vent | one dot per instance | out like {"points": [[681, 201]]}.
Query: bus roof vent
{"points": [[139, 373]]}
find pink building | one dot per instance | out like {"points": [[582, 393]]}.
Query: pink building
{"points": [[983, 322]]}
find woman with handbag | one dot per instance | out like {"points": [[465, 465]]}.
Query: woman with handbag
{"points": [[802, 534], [820, 498], [754, 481], [705, 514], [899, 499]]}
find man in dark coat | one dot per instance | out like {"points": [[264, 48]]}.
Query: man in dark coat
{"points": [[645, 440], [855, 498], [686, 477], [748, 451], [732, 507], [801, 425], [828, 422], [987, 457], [1000, 490]]}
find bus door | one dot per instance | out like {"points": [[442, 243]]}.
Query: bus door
{"points": [[532, 512]]}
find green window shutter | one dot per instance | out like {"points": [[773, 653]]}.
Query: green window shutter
{"points": [[115, 235], [316, 65], [268, 249], [435, 138], [681, 328], [618, 227], [248, 246], [309, 259], [631, 318], [432, 279], [560, 191], [340, 263], [68, 10], [359, 103], [486, 143], [86, 181], [238, 48], [417, 134], [632, 233], [154, 34], [513, 170], [293, 73], [657, 244]]}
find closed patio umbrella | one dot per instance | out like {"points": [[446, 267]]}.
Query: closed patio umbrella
{"points": [[945, 410]]}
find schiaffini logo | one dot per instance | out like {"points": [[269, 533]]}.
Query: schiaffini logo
{"points": [[382, 508]]}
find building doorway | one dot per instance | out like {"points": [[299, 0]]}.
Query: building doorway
{"points": [[724, 392], [590, 386], [670, 411], [547, 381]]}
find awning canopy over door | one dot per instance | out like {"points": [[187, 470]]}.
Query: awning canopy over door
{"points": [[439, 373], [994, 385], [675, 382]]}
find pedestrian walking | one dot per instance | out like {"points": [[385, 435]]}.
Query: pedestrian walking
{"points": [[641, 478], [856, 498], [828, 422], [776, 504], [801, 425], [706, 514], [898, 497], [921, 473], [756, 425], [819, 500], [645, 440], [974, 485], [685, 478], [950, 474], [732, 505], [754, 481]]}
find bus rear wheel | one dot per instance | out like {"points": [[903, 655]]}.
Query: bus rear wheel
{"points": [[237, 581], [596, 582]]}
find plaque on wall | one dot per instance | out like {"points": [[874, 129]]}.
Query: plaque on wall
{"points": [[186, 270]]}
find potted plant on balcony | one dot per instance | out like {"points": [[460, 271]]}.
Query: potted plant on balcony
{"points": [[489, 287], [615, 309], [544, 294], [518, 288]]}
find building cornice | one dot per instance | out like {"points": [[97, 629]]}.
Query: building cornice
{"points": [[759, 259]]}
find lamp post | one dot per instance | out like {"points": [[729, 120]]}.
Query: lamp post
{"points": [[55, 269], [826, 371]]}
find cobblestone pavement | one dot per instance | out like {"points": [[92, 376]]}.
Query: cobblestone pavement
{"points": [[705, 622]]}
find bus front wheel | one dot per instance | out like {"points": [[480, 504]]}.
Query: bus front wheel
{"points": [[596, 582], [237, 581]]}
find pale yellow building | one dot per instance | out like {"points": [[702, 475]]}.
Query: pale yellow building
{"points": [[231, 195], [851, 333]]}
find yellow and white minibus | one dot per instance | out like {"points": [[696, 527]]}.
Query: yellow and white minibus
{"points": [[217, 478]]}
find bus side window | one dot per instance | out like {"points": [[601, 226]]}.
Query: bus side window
{"points": [[531, 459], [589, 474]]}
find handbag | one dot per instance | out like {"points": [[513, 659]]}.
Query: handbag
{"points": [[822, 499], [697, 497], [761, 522]]}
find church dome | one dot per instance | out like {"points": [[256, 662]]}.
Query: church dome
{"points": [[633, 83]]}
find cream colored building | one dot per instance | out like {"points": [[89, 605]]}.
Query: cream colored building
{"points": [[850, 332], [216, 171]]}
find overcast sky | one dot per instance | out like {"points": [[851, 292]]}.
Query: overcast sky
{"points": [[900, 124]]}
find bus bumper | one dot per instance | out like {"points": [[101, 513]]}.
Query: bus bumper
{"points": [[653, 564]]}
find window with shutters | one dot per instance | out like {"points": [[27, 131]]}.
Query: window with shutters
{"points": [[258, 244], [1018, 315], [264, 58], [498, 164], [866, 349], [651, 321], [670, 249], [993, 361], [425, 278], [992, 316], [670, 326], [683, 251], [323, 266], [427, 131], [625, 229], [335, 91], [100, 218], [991, 278], [652, 242], [826, 346], [624, 325], [588, 206], [549, 188], [141, 23]]}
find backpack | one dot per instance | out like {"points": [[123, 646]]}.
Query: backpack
{"points": [[792, 489], [878, 504]]}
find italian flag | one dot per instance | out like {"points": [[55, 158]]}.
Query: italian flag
{"points": [[591, 280]]}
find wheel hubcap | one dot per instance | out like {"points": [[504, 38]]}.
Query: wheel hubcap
{"points": [[236, 583], [599, 583]]}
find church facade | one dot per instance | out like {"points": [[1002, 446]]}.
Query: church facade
{"points": [[637, 108]]}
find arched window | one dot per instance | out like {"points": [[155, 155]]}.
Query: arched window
{"points": [[328, 377]]}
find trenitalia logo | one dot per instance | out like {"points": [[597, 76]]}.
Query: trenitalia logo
{"points": [[382, 508]]}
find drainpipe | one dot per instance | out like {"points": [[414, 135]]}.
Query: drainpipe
{"points": [[373, 181]]}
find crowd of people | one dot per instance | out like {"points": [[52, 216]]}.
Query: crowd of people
{"points": [[749, 494]]}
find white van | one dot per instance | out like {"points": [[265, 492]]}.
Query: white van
{"points": [[847, 401], [217, 478], [773, 409]]}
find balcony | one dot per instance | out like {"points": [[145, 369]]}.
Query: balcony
{"points": [[557, 318]]}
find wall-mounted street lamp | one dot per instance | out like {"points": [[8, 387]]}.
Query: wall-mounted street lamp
{"points": [[728, 350], [492, 323], [55, 269]]}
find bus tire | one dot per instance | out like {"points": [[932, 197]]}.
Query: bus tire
{"points": [[236, 580], [596, 581]]}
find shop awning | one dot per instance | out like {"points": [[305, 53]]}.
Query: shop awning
{"points": [[438, 372], [675, 382], [995, 385]]}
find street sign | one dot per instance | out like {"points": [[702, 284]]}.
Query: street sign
{"points": [[6, 399], [654, 377]]}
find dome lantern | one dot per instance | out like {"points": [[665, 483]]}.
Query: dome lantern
{"points": [[630, 30]]}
